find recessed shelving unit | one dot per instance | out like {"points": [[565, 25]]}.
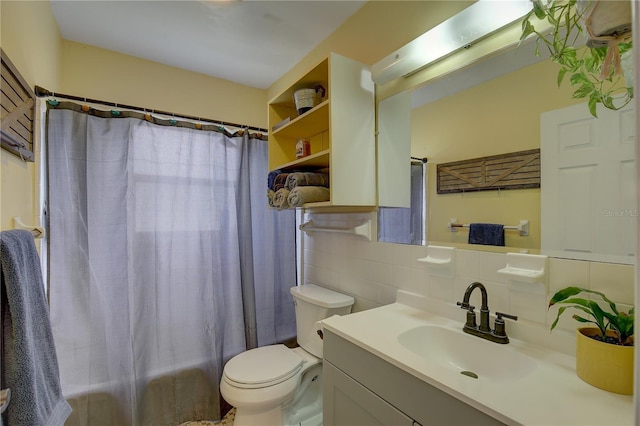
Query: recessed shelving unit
{"points": [[340, 129]]}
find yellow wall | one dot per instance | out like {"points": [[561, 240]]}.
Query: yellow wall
{"points": [[377, 29], [496, 117], [31, 40], [97, 73]]}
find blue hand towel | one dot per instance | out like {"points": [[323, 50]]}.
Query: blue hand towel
{"points": [[29, 362], [489, 234]]}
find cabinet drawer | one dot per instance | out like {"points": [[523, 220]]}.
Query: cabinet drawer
{"points": [[348, 403]]}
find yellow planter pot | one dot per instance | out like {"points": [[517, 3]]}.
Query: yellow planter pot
{"points": [[603, 365]]}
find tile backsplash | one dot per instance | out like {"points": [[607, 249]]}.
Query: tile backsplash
{"points": [[372, 272]]}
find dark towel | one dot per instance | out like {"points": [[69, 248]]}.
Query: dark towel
{"points": [[488, 234], [29, 361], [271, 177], [279, 181]]}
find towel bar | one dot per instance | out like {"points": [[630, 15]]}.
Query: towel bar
{"points": [[37, 231], [363, 230], [523, 227]]}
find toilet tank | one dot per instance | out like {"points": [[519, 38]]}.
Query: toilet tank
{"points": [[312, 304]]}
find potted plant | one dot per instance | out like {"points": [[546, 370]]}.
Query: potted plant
{"points": [[595, 70], [604, 353]]}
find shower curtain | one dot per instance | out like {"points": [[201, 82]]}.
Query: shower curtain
{"points": [[164, 262], [405, 225]]}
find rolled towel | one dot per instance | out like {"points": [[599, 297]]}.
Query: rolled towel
{"points": [[306, 179], [280, 198], [307, 194], [271, 177], [279, 181], [270, 195]]}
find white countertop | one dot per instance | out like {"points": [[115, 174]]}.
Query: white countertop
{"points": [[552, 394]]}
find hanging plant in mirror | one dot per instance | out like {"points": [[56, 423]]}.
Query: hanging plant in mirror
{"points": [[595, 67]]}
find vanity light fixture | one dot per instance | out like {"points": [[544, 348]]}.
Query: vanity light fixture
{"points": [[460, 31]]}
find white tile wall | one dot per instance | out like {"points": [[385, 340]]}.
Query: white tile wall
{"points": [[372, 272]]}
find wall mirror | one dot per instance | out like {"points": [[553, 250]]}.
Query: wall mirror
{"points": [[494, 106]]}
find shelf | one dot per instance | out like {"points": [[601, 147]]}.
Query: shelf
{"points": [[308, 124], [522, 274], [438, 255], [526, 271], [319, 74], [317, 160], [347, 153], [318, 204], [440, 258]]}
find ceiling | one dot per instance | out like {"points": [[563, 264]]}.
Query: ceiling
{"points": [[251, 42]]}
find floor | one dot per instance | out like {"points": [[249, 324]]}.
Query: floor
{"points": [[226, 421]]}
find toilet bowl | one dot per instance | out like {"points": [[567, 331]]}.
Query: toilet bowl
{"points": [[277, 385]]}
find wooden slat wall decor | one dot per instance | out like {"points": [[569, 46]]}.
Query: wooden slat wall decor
{"points": [[17, 111], [515, 170]]}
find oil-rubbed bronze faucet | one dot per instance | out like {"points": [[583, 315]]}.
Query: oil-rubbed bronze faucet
{"points": [[499, 334]]}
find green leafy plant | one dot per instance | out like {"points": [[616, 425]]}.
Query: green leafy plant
{"points": [[620, 322], [588, 68]]}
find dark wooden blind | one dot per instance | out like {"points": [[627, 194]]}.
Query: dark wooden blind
{"points": [[17, 112]]}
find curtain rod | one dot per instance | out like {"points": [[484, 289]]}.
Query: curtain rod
{"points": [[42, 93], [424, 159]]}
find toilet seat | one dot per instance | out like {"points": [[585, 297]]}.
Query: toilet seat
{"points": [[262, 367]]}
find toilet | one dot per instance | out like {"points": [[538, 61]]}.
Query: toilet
{"points": [[275, 385]]}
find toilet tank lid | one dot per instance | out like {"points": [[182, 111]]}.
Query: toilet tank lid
{"points": [[321, 296]]}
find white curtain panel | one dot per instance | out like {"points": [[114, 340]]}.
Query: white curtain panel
{"points": [[164, 262]]}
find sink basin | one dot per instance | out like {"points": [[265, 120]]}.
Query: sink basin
{"points": [[467, 354]]}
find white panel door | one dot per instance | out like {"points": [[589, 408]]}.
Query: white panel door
{"points": [[588, 184]]}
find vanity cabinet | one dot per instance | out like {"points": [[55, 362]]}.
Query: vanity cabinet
{"points": [[360, 388], [347, 402], [340, 129]]}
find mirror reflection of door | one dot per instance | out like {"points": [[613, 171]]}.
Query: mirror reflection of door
{"points": [[589, 184]]}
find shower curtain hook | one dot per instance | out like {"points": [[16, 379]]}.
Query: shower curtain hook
{"points": [[53, 102]]}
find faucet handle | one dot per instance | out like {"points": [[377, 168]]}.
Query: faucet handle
{"points": [[471, 315], [465, 305], [499, 329], [499, 315]]}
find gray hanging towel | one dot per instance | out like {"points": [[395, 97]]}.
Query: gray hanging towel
{"points": [[29, 362], [488, 234]]}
